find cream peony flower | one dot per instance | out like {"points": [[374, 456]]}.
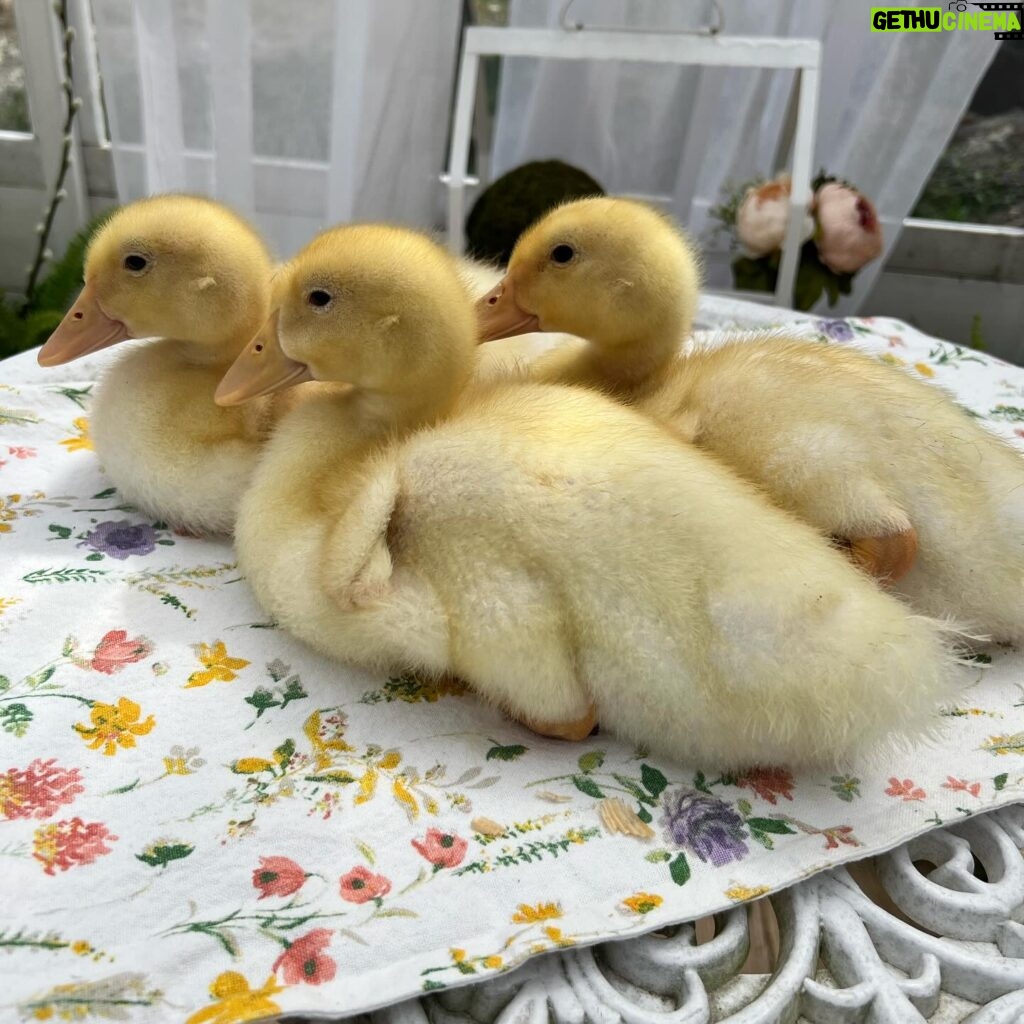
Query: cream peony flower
{"points": [[850, 234], [761, 218]]}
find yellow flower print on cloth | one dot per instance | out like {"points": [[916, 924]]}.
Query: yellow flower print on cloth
{"points": [[114, 726], [236, 1001], [643, 902], [217, 664], [525, 914], [82, 441], [743, 893]]}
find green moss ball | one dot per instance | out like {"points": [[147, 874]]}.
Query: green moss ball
{"points": [[506, 208]]}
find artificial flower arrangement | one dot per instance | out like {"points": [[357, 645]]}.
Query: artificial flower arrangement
{"points": [[841, 233]]}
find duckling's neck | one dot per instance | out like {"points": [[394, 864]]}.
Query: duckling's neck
{"points": [[212, 354], [634, 360], [402, 410]]}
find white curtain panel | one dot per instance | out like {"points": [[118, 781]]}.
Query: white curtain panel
{"points": [[888, 105], [299, 114]]}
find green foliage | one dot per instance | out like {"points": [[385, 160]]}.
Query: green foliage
{"points": [[587, 785], [24, 325], [506, 753], [980, 177], [812, 277], [679, 869], [653, 780], [725, 212], [15, 718], [162, 854]]}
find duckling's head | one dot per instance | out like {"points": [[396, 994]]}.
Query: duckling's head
{"points": [[170, 266], [378, 307], [613, 271]]}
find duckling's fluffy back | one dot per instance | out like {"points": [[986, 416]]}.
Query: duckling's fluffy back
{"points": [[789, 413], [704, 622]]}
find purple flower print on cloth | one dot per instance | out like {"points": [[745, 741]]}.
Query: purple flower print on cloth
{"points": [[121, 539], [708, 827], [837, 330]]}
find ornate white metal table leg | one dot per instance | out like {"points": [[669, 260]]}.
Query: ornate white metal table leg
{"points": [[949, 948]]}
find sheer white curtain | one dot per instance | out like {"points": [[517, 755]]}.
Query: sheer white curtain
{"points": [[299, 114], [888, 105]]}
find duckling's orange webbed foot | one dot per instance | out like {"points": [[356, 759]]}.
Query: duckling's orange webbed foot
{"points": [[575, 731], [888, 559]]}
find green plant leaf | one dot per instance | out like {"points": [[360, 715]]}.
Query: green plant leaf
{"points": [[47, 673], [633, 789], [773, 825], [5, 684], [62, 531], [679, 869], [658, 856], [159, 856], [591, 761], [283, 753], [506, 753], [753, 275], [587, 785], [653, 780], [15, 719], [644, 815], [1000, 781], [262, 699], [110, 491]]}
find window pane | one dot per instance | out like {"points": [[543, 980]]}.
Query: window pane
{"points": [[980, 178], [13, 99]]}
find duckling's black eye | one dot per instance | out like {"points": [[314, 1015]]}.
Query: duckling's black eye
{"points": [[135, 263], [319, 298], [562, 253]]}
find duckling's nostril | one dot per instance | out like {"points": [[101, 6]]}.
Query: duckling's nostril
{"points": [[259, 348], [78, 315], [492, 300]]}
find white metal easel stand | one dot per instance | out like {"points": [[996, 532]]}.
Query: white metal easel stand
{"points": [[708, 48]]}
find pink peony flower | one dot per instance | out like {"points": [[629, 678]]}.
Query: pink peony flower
{"points": [[361, 885], [63, 844], [278, 876], [849, 232], [38, 790], [761, 218], [305, 961], [20, 452], [442, 849], [116, 650]]}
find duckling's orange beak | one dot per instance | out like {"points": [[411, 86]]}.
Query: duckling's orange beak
{"points": [[85, 329], [498, 315], [261, 368]]}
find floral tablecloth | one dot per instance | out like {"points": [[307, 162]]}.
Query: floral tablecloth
{"points": [[203, 821]]}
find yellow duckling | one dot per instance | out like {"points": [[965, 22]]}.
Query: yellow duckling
{"points": [[862, 451], [192, 273], [556, 550]]}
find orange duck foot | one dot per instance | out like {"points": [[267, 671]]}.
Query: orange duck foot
{"points": [[573, 731], [888, 559]]}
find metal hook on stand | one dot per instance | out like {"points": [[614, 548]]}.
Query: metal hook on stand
{"points": [[716, 26]]}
